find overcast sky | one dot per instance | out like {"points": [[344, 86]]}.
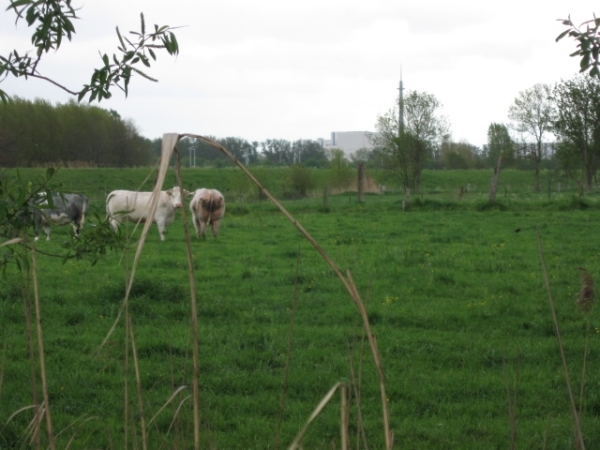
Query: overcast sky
{"points": [[288, 69]]}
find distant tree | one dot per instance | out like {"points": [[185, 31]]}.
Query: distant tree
{"points": [[588, 47], [341, 172], [459, 155], [533, 112], [361, 155], [577, 122], [500, 144], [301, 180], [278, 152], [407, 152], [53, 21], [241, 149], [309, 153]]}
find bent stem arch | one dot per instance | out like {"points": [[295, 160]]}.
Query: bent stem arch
{"points": [[346, 280]]}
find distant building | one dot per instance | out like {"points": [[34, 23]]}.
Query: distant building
{"points": [[348, 141]]}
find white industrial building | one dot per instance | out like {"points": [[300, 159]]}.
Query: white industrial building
{"points": [[348, 141]]}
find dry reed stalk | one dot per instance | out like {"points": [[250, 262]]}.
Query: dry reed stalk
{"points": [[26, 296], [585, 303], [360, 429], [40, 339], [176, 441], [288, 355], [314, 414], [138, 383], [344, 417], [346, 280], [171, 140], [33, 429], [576, 423], [168, 145], [126, 359]]}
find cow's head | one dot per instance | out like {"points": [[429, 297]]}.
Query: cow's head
{"points": [[175, 196]]}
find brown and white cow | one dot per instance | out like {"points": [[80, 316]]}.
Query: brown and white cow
{"points": [[207, 207], [135, 207]]}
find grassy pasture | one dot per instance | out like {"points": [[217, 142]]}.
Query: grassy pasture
{"points": [[455, 295]]}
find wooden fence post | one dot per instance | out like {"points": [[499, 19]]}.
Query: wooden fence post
{"points": [[361, 182], [494, 185]]}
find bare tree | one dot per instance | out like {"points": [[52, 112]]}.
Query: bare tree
{"points": [[533, 112]]}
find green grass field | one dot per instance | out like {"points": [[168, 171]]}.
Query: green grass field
{"points": [[454, 291]]}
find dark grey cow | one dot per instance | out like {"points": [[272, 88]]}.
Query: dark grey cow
{"points": [[66, 209]]}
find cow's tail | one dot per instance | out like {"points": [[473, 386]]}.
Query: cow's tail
{"points": [[210, 209]]}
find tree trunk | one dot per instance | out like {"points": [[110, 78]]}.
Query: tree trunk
{"points": [[495, 178]]}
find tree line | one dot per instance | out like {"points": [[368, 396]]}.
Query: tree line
{"points": [[272, 152], [557, 124], [35, 133]]}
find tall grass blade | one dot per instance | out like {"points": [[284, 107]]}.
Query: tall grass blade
{"points": [[17, 412], [33, 429], [314, 414], [288, 355], [177, 413], [171, 140], [173, 395], [585, 303], [576, 423], [360, 428], [138, 383], [38, 319], [26, 296]]}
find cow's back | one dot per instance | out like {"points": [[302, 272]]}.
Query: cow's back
{"points": [[133, 205]]}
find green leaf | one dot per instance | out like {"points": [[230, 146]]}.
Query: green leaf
{"points": [[562, 35], [120, 38], [4, 97]]}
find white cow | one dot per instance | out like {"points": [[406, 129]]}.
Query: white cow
{"points": [[135, 206], [207, 207]]}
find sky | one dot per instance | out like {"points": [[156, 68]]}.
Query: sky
{"points": [[267, 69]]}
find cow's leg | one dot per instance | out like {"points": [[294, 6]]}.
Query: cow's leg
{"points": [[215, 227], [76, 227], [47, 231], [78, 224], [203, 228], [162, 228], [114, 223], [196, 225]]}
